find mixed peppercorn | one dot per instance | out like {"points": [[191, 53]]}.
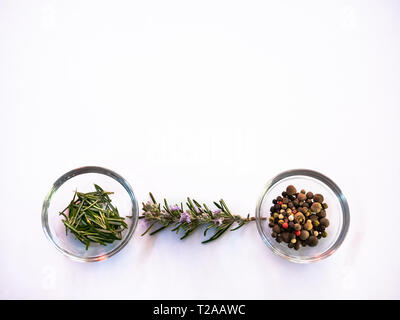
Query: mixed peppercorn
{"points": [[298, 218]]}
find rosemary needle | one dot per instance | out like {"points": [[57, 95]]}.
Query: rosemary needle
{"points": [[91, 218]]}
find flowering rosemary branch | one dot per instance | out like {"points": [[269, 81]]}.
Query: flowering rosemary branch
{"points": [[195, 216]]}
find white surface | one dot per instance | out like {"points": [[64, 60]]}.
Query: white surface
{"points": [[207, 99]]}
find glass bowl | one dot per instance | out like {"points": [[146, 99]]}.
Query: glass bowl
{"points": [[337, 212], [83, 180]]}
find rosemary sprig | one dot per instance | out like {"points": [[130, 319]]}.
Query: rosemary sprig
{"points": [[189, 220], [91, 217]]}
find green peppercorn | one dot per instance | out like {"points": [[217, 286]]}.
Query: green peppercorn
{"points": [[291, 190], [324, 234], [325, 205], [276, 215], [315, 223], [271, 219]]}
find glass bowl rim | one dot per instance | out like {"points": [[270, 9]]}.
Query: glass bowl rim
{"points": [[83, 170], [331, 185]]}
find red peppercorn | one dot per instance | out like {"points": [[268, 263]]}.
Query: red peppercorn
{"points": [[285, 225], [297, 233], [280, 202], [294, 211]]}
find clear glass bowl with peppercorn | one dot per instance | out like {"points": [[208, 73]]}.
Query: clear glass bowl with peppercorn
{"points": [[90, 214], [302, 216]]}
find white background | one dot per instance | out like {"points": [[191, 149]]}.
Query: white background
{"points": [[206, 99]]}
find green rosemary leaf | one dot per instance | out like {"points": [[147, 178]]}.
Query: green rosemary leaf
{"points": [[239, 226], [152, 198], [149, 227], [218, 234]]}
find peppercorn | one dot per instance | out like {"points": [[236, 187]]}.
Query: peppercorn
{"points": [[285, 200], [290, 245], [297, 226], [318, 198], [316, 207], [280, 221], [299, 217], [304, 235], [285, 225], [291, 190], [312, 241], [303, 191], [279, 198], [277, 207], [276, 228], [297, 245], [271, 224], [272, 209], [297, 233], [321, 214], [276, 215], [315, 223], [291, 225], [301, 196], [296, 202], [284, 194], [285, 236], [274, 201], [313, 217], [316, 233], [291, 217], [281, 216], [324, 222], [308, 225], [293, 240], [289, 211], [325, 205], [273, 235], [290, 205], [324, 234], [306, 205], [309, 195], [278, 239], [284, 206], [271, 219]]}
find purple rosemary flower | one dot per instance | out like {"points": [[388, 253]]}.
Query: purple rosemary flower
{"points": [[174, 208], [185, 217], [219, 221], [215, 212], [196, 209]]}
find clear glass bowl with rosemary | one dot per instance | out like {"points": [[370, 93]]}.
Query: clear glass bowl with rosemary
{"points": [[338, 213], [90, 213]]}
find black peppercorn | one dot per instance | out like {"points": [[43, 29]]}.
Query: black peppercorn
{"points": [[291, 190], [309, 195], [277, 207], [276, 228], [318, 198], [324, 222], [312, 241], [274, 201], [285, 236]]}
